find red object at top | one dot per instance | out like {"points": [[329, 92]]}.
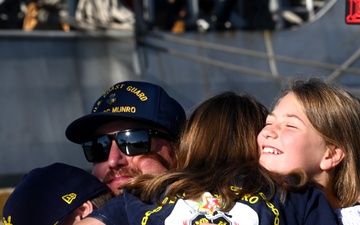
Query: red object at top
{"points": [[352, 12]]}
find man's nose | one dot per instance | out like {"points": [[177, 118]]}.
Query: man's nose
{"points": [[116, 158]]}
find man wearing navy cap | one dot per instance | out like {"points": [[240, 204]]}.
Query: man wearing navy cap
{"points": [[132, 129]]}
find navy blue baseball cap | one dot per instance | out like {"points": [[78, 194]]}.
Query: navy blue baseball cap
{"points": [[134, 100], [47, 195]]}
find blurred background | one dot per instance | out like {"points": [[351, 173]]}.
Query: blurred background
{"points": [[58, 56]]}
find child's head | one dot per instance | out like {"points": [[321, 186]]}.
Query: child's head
{"points": [[315, 126], [218, 128], [55, 194]]}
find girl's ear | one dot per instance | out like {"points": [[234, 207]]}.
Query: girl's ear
{"points": [[333, 156], [85, 209]]}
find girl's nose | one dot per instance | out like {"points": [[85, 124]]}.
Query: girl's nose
{"points": [[269, 132]]}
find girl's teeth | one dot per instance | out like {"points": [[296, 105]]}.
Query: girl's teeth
{"points": [[271, 150]]}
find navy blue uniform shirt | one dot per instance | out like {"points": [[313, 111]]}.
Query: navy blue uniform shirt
{"points": [[307, 207]]}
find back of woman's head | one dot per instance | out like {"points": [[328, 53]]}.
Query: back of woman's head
{"points": [[335, 115], [217, 145], [221, 132]]}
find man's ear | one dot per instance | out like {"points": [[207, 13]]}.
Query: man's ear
{"points": [[333, 156], [85, 209]]}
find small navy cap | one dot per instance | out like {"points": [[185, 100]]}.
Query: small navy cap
{"points": [[134, 100], [47, 195]]}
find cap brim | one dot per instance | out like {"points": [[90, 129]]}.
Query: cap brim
{"points": [[83, 129]]}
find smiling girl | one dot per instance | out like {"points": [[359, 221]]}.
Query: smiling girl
{"points": [[316, 126]]}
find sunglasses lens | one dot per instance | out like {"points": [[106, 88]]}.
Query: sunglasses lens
{"points": [[134, 142], [130, 142], [98, 149]]}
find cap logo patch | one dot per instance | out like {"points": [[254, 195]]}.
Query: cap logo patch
{"points": [[69, 198], [112, 99], [8, 222]]}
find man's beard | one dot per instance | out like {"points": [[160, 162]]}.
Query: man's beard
{"points": [[133, 172], [127, 172]]}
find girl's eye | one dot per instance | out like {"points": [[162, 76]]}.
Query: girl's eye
{"points": [[291, 126]]}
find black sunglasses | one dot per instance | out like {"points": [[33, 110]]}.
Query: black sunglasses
{"points": [[131, 142]]}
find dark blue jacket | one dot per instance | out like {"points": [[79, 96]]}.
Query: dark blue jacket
{"points": [[307, 207]]}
